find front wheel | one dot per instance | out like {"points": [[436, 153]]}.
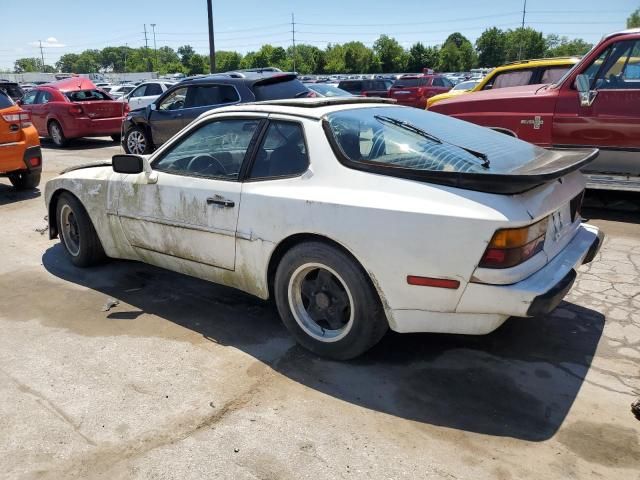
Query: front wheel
{"points": [[137, 142], [77, 233], [327, 302], [25, 180]]}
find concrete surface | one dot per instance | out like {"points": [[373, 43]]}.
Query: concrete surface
{"points": [[188, 380]]}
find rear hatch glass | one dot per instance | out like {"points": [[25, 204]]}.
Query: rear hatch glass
{"points": [[407, 88], [274, 88], [96, 103], [422, 145], [12, 89]]}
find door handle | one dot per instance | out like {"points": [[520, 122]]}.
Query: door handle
{"points": [[221, 201], [177, 115]]}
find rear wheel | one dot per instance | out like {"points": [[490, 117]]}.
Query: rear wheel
{"points": [[25, 180], [137, 142], [56, 134], [77, 234], [327, 301]]}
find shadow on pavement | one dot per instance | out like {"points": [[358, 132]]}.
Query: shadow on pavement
{"points": [[8, 194], [80, 144], [519, 381]]}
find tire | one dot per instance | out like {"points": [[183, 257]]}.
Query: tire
{"points": [[79, 238], [25, 180], [327, 301], [116, 137], [56, 134], [137, 142]]}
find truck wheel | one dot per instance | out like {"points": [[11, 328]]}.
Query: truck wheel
{"points": [[77, 234], [56, 134], [327, 302], [25, 180], [137, 142]]}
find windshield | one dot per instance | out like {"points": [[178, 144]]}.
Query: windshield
{"points": [[419, 140], [328, 90], [466, 85], [87, 95]]}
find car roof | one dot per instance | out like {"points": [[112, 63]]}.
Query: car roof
{"points": [[538, 62], [315, 108], [237, 76]]}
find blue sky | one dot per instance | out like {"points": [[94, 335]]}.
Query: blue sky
{"points": [[67, 26]]}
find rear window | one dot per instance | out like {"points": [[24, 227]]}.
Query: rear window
{"points": [[351, 86], [279, 90], [87, 95], [12, 89], [5, 101], [204, 95], [419, 140], [410, 82]]}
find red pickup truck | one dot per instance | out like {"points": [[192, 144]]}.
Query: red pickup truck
{"points": [[595, 104]]}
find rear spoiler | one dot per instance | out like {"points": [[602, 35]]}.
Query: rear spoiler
{"points": [[276, 78]]}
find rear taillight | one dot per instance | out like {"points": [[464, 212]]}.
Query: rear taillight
{"points": [[35, 161], [512, 246], [75, 110], [21, 118]]}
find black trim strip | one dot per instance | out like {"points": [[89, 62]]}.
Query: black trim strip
{"points": [[548, 301]]}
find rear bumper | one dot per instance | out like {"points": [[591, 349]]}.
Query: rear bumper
{"points": [[92, 127], [21, 161], [483, 308]]}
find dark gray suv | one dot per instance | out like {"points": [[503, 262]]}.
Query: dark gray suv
{"points": [[147, 128]]}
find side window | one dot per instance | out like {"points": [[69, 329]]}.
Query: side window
{"points": [[153, 89], [45, 97], [216, 149], [511, 79], [437, 82], [175, 100], [553, 74], [283, 152], [447, 83], [202, 96], [139, 92], [29, 97], [621, 68]]}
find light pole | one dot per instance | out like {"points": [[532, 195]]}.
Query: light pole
{"points": [[155, 48], [212, 46]]}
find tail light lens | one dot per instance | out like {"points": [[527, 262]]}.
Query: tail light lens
{"points": [[512, 246], [76, 110], [22, 118]]}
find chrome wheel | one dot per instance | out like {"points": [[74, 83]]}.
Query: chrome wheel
{"points": [[321, 302], [70, 230], [136, 142], [56, 133]]}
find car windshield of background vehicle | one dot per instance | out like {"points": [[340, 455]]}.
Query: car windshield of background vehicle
{"points": [[465, 85], [415, 139], [279, 90], [87, 95], [14, 91]]}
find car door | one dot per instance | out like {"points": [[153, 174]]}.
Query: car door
{"points": [[201, 98], [151, 92], [191, 211], [135, 97], [28, 103], [167, 116], [611, 122]]}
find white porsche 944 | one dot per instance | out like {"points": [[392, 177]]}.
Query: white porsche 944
{"points": [[354, 215]]}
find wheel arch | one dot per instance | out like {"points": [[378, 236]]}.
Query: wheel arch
{"points": [[298, 238]]}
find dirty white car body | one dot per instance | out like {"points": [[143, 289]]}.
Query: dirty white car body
{"points": [[393, 227]]}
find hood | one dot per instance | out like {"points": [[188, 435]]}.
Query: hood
{"points": [[524, 91]]}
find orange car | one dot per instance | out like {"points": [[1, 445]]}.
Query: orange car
{"points": [[20, 155]]}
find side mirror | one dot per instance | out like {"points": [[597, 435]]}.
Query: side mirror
{"points": [[127, 164], [153, 106], [583, 85]]}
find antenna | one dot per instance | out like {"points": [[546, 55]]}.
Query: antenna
{"points": [[293, 39]]}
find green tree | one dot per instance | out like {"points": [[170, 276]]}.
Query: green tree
{"points": [[450, 60], [457, 54], [561, 46], [335, 59], [308, 59], [490, 46], [67, 62], [524, 43], [31, 64], [227, 61], [391, 54], [357, 58], [634, 19]]}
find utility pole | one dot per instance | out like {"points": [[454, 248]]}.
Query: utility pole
{"points": [[293, 39], [155, 48], [146, 49], [41, 54], [212, 45], [126, 49], [524, 14]]}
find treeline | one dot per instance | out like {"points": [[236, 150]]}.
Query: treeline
{"points": [[494, 47]]}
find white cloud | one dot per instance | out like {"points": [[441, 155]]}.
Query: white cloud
{"points": [[51, 42]]}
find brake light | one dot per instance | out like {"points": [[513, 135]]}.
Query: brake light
{"points": [[75, 110], [22, 118], [512, 246], [35, 161]]}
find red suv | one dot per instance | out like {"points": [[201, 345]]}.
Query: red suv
{"points": [[414, 90], [73, 108]]}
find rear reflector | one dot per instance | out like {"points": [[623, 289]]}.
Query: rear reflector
{"points": [[432, 282], [35, 161]]}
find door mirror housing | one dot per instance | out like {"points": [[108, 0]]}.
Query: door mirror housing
{"points": [[583, 85], [153, 106], [130, 164]]}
